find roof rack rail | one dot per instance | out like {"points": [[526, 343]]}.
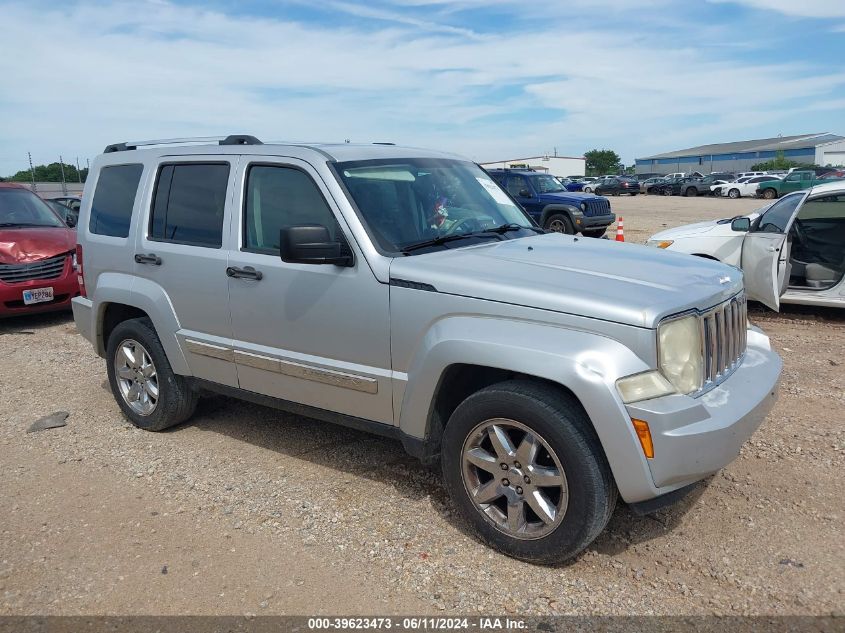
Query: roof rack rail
{"points": [[232, 139], [383, 143]]}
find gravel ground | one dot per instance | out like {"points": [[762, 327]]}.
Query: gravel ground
{"points": [[249, 510]]}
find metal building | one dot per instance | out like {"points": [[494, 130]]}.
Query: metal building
{"points": [[554, 165], [820, 149]]}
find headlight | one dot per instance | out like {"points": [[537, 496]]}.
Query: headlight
{"points": [[73, 260], [645, 386], [660, 243], [679, 352], [583, 206]]}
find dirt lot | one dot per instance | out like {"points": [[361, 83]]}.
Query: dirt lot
{"points": [[248, 510]]}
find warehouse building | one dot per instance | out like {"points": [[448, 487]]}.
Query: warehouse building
{"points": [[820, 149], [555, 165]]}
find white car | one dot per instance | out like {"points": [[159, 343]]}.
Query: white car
{"points": [[792, 251], [745, 187], [717, 188]]}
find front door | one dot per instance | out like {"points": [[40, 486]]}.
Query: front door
{"points": [[765, 253], [181, 250], [519, 187], [314, 334]]}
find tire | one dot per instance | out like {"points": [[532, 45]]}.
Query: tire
{"points": [[770, 194], [588, 190], [175, 402], [667, 191], [634, 193], [594, 232], [733, 194], [584, 497], [559, 223], [691, 192]]}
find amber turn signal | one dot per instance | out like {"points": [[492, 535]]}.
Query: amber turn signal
{"points": [[643, 432]]}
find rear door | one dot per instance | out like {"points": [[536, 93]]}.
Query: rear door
{"points": [[181, 250], [766, 252]]}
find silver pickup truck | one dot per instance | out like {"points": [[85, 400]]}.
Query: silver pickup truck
{"points": [[405, 293]]}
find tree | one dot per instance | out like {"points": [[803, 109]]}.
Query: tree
{"points": [[602, 161], [50, 173], [777, 163]]}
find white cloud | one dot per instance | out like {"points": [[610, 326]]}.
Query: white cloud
{"points": [[818, 9], [82, 76]]}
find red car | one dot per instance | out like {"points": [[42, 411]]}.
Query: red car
{"points": [[37, 255]]}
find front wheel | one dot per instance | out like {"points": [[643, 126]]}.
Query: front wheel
{"points": [[667, 191], [142, 382], [588, 190], [559, 223], [524, 467], [691, 192]]}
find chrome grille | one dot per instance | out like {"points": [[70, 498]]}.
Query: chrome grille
{"points": [[43, 269], [723, 336]]}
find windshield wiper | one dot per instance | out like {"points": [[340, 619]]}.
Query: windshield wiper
{"points": [[437, 241], [511, 226]]}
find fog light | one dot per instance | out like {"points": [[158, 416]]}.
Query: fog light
{"points": [[643, 432]]}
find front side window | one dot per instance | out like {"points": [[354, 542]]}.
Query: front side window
{"points": [[114, 198], [777, 218], [188, 204], [516, 186], [408, 202], [277, 197]]}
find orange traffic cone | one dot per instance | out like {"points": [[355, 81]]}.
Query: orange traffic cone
{"points": [[620, 230]]}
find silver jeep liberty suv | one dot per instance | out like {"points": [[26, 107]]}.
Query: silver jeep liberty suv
{"points": [[403, 292]]}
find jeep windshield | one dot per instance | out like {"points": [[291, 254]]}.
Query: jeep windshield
{"points": [[416, 205], [547, 184]]}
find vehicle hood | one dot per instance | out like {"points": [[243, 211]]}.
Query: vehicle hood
{"points": [[568, 197], [602, 279], [24, 245], [710, 228]]}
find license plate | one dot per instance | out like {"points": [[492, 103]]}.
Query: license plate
{"points": [[39, 295]]}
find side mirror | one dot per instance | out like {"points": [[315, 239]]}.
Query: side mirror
{"points": [[524, 193], [311, 244], [71, 220], [741, 225]]}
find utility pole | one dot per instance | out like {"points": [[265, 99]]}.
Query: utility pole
{"points": [[32, 172], [78, 171], [64, 184]]}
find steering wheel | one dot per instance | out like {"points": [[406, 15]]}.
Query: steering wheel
{"points": [[455, 228], [798, 232]]}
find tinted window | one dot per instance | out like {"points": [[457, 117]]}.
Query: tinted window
{"points": [[515, 184], [188, 204], [776, 219], [277, 197], [111, 208]]}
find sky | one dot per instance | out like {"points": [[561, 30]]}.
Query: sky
{"points": [[488, 79]]}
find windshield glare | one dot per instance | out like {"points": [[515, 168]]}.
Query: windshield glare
{"points": [[21, 207], [407, 201]]}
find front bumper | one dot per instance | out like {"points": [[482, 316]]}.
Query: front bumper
{"points": [[590, 222], [65, 288], [695, 437]]}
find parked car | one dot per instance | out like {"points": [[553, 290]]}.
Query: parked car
{"points": [[554, 208], [698, 186], [835, 174], [37, 255], [669, 186], [615, 186], [73, 202], [792, 251], [744, 174], [795, 181], [404, 293], [747, 188], [570, 185], [646, 184], [717, 188], [65, 212]]}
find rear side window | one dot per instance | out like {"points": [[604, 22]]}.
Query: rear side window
{"points": [[114, 197], [188, 204], [277, 197]]}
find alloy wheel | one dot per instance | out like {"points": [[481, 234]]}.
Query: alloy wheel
{"points": [[514, 478], [136, 376]]}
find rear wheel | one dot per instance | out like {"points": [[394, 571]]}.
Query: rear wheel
{"points": [[691, 192], [770, 194], [523, 466], [667, 191], [588, 190], [733, 194], [559, 223], [142, 381]]}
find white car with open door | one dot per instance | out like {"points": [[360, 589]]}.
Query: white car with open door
{"points": [[791, 251]]}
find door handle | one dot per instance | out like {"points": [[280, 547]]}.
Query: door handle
{"points": [[247, 272], [150, 258]]}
